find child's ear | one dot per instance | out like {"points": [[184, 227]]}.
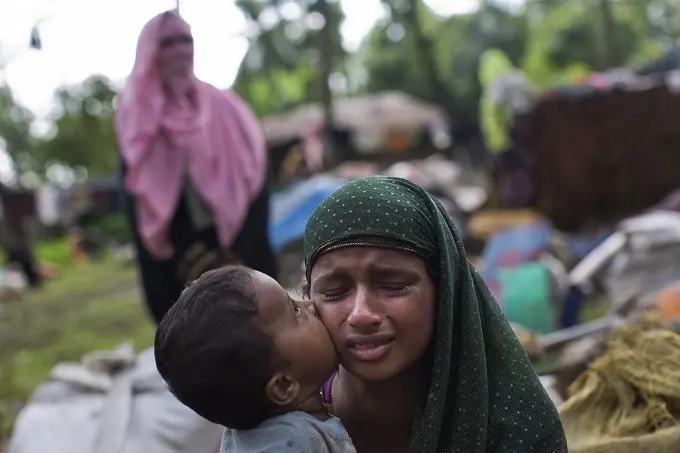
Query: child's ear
{"points": [[282, 389]]}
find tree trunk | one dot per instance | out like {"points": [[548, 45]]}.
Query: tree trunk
{"points": [[610, 54], [326, 56], [439, 92]]}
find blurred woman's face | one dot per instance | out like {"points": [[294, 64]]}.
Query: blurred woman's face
{"points": [[176, 55], [378, 305]]}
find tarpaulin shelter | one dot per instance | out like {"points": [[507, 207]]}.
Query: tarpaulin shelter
{"points": [[387, 125], [602, 150]]}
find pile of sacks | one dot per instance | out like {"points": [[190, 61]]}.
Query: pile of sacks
{"points": [[628, 401], [110, 402]]}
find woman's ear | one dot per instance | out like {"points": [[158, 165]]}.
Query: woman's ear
{"points": [[282, 389]]}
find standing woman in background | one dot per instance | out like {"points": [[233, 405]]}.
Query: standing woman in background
{"points": [[194, 165]]}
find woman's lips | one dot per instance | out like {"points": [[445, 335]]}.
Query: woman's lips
{"points": [[370, 348]]}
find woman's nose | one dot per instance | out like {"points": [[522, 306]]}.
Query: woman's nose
{"points": [[363, 314]]}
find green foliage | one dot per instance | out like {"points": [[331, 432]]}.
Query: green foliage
{"points": [[282, 68], [15, 125], [53, 251], [82, 139], [84, 132], [457, 44], [569, 42], [388, 51], [495, 120], [490, 27], [278, 90]]}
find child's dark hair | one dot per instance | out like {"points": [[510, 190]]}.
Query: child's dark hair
{"points": [[211, 353]]}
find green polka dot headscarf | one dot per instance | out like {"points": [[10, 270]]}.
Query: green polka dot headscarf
{"points": [[484, 395]]}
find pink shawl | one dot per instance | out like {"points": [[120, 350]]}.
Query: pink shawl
{"points": [[220, 145]]}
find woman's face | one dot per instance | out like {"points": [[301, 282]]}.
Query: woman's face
{"points": [[176, 55], [378, 305]]}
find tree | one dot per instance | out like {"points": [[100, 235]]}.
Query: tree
{"points": [[84, 132], [408, 13], [567, 42], [282, 69], [464, 40], [82, 139], [15, 130], [393, 53]]}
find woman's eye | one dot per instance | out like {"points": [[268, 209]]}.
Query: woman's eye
{"points": [[333, 294], [298, 310], [394, 287]]}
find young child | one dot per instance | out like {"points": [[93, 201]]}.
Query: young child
{"points": [[240, 352]]}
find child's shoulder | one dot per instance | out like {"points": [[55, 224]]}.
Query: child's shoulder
{"points": [[293, 432]]}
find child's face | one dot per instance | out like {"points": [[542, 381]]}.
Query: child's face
{"points": [[299, 335]]}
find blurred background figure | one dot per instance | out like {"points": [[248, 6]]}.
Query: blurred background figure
{"points": [[15, 242], [194, 166]]}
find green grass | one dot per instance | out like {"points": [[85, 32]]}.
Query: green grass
{"points": [[54, 252], [82, 310]]}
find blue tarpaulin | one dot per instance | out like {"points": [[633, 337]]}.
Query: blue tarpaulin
{"points": [[292, 207]]}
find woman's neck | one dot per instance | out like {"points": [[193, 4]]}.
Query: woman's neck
{"points": [[393, 401]]}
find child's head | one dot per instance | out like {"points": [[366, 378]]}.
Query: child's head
{"points": [[237, 349]]}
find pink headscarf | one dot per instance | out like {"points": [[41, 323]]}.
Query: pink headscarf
{"points": [[219, 142]]}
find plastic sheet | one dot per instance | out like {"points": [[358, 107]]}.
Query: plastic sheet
{"points": [[83, 409]]}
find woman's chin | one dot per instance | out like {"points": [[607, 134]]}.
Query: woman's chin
{"points": [[371, 372], [388, 368]]}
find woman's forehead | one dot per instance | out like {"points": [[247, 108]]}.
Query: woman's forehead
{"points": [[366, 259]]}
